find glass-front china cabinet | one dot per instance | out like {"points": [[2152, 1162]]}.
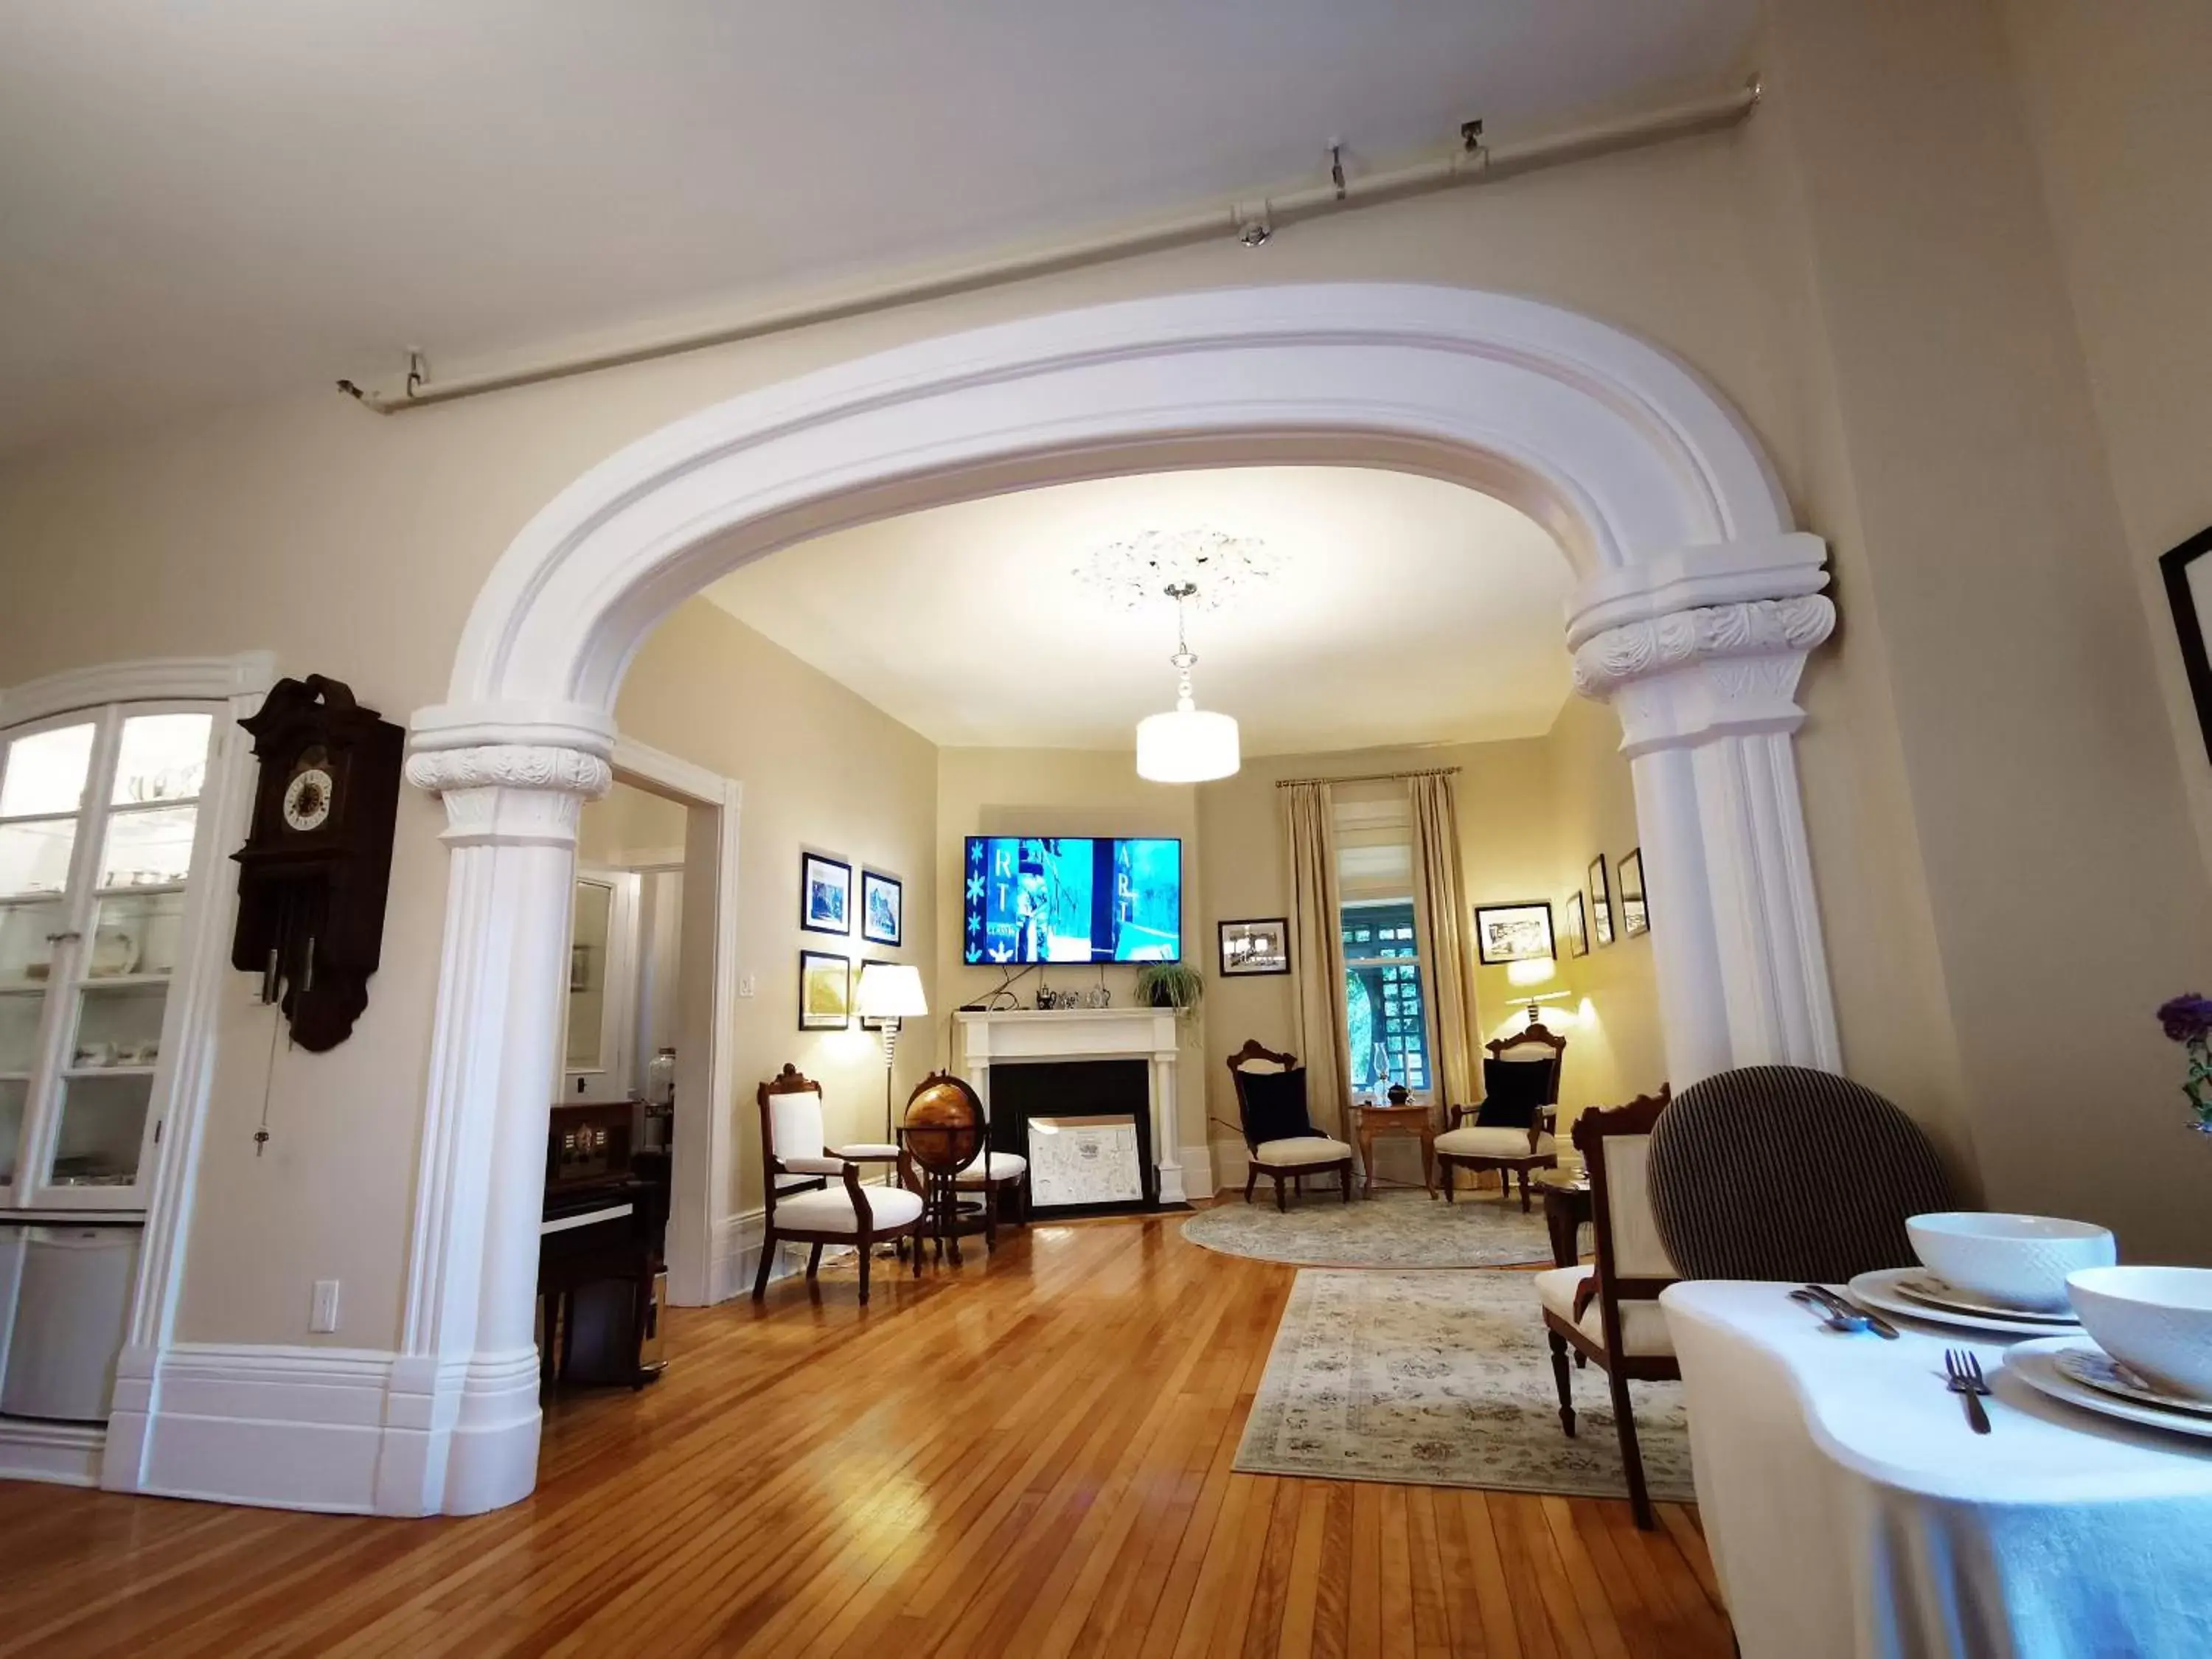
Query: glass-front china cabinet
{"points": [[99, 838]]}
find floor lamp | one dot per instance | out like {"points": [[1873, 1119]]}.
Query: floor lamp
{"points": [[889, 993]]}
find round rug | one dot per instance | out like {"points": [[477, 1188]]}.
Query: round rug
{"points": [[1391, 1229]]}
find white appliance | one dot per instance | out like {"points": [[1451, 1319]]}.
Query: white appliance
{"points": [[72, 1308]]}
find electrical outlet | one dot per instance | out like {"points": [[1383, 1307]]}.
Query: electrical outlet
{"points": [[324, 1315], [744, 985]]}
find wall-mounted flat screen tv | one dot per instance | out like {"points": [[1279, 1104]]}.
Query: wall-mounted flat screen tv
{"points": [[1073, 898]]}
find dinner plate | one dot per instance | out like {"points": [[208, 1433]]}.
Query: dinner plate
{"points": [[1878, 1290], [1923, 1286], [2088, 1362], [2037, 1364]]}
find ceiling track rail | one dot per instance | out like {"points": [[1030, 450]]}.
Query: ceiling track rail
{"points": [[1253, 222]]}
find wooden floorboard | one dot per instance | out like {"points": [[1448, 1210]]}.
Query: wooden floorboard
{"points": [[1030, 1454]]}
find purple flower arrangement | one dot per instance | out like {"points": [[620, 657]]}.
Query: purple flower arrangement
{"points": [[2187, 1020]]}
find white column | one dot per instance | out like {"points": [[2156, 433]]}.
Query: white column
{"points": [[461, 1429], [1167, 1128], [1706, 697]]}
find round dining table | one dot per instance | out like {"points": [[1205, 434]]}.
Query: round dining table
{"points": [[1851, 1508]]}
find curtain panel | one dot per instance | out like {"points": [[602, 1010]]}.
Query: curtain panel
{"points": [[1443, 921], [1317, 953]]}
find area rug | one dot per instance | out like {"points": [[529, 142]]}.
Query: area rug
{"points": [[1391, 1229], [1444, 1380]]}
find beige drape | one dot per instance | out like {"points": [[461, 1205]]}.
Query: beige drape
{"points": [[1437, 915], [1317, 952]]}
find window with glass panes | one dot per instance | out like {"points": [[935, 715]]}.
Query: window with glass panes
{"points": [[99, 821], [1382, 996]]}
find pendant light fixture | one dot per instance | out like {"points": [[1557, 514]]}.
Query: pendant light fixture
{"points": [[1187, 745]]}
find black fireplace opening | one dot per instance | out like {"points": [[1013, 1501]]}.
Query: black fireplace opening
{"points": [[1075, 1088]]}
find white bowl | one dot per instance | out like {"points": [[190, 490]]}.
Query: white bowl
{"points": [[2019, 1259], [2157, 1322]]}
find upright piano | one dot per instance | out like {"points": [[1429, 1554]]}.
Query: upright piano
{"points": [[601, 1272]]}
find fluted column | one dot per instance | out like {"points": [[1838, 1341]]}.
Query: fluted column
{"points": [[462, 1422], [1706, 697]]}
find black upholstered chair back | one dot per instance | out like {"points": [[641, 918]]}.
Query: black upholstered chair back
{"points": [[1779, 1172]]}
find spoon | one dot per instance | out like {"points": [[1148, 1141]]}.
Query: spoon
{"points": [[1835, 1318]]}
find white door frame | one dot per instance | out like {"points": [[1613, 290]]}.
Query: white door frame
{"points": [[1698, 604], [701, 1234]]}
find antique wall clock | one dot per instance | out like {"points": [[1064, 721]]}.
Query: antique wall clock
{"points": [[317, 864]]}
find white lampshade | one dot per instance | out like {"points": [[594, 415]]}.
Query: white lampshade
{"points": [[1187, 745], [1531, 970], [890, 990]]}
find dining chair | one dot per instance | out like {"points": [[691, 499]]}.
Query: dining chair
{"points": [[1516, 1126], [1279, 1140], [802, 1207], [1784, 1173], [1610, 1314]]}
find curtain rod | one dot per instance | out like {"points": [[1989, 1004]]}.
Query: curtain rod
{"points": [[1372, 777]]}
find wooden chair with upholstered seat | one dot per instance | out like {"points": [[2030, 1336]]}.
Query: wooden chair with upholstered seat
{"points": [[1785, 1173], [1278, 1137], [1515, 1128], [803, 1208], [1610, 1314]]}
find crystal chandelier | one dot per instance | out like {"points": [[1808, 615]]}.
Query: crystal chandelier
{"points": [[1186, 745]]}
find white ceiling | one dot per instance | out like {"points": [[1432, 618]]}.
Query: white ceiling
{"points": [[1401, 609], [222, 200]]}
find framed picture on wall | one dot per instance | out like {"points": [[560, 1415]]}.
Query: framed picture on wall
{"points": [[1578, 928], [1635, 916], [2188, 573], [1255, 947], [825, 992], [825, 894], [1600, 892], [1514, 933], [883, 907]]}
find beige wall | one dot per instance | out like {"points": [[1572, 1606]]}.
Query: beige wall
{"points": [[1868, 269], [627, 823], [2114, 101], [827, 772]]}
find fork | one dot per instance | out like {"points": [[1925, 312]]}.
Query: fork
{"points": [[1964, 1373]]}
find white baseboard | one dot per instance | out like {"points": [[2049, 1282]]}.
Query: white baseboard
{"points": [[65, 1454], [1198, 1167]]}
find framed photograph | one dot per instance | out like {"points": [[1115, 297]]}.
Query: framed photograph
{"points": [[825, 894], [1514, 933], [883, 907], [1578, 928], [1635, 917], [825, 992], [1600, 902], [2188, 575], [1255, 947]]}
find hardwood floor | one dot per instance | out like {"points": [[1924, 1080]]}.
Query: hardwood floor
{"points": [[1027, 1457]]}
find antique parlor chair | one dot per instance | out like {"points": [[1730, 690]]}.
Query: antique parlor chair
{"points": [[1278, 1137], [1515, 1128], [803, 1208], [1610, 1313]]}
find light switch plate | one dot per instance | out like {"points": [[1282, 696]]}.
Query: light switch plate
{"points": [[324, 1315], [744, 985]]}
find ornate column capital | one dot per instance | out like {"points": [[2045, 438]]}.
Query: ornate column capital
{"points": [[1687, 675], [517, 793]]}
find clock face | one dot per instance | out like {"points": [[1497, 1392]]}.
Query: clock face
{"points": [[307, 798]]}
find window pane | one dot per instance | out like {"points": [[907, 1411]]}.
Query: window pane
{"points": [[26, 954], [163, 757], [136, 933], [118, 1025], [103, 1124], [19, 1041], [35, 857], [146, 848], [45, 772]]}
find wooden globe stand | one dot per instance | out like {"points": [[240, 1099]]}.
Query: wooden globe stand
{"points": [[944, 1133]]}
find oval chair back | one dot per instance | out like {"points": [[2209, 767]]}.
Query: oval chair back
{"points": [[1784, 1173]]}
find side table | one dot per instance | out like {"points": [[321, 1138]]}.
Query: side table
{"points": [[1566, 1209], [1371, 1122]]}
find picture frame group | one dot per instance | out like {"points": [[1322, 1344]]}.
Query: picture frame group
{"points": [[1611, 897], [826, 905]]}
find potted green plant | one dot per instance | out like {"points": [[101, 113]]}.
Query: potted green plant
{"points": [[1170, 985]]}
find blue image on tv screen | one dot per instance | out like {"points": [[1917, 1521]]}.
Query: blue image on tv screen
{"points": [[1073, 898]]}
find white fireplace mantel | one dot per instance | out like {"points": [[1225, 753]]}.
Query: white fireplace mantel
{"points": [[1004, 1036]]}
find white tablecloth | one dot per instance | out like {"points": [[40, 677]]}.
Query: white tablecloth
{"points": [[1850, 1511]]}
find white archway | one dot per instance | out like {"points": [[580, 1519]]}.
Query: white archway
{"points": [[1698, 604]]}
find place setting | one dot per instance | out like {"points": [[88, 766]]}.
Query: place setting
{"points": [[2129, 1343]]}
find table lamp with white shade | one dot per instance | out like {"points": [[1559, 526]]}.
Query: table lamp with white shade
{"points": [[890, 992], [1531, 972]]}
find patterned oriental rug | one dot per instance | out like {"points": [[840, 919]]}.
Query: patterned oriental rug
{"points": [[1444, 1379], [1391, 1229]]}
